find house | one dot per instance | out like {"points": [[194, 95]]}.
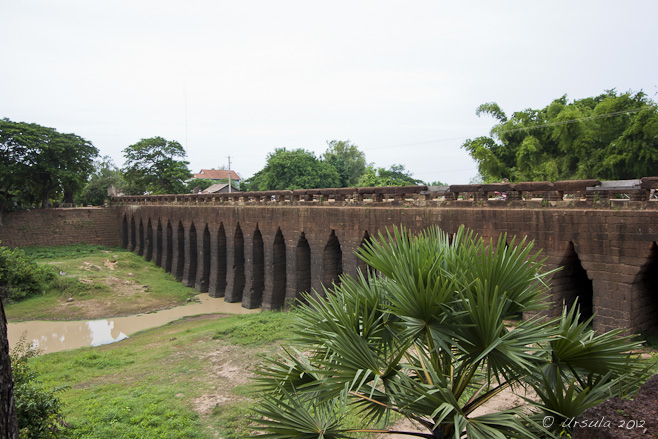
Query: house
{"points": [[219, 174], [217, 188]]}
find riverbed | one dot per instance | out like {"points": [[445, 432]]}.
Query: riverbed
{"points": [[54, 336]]}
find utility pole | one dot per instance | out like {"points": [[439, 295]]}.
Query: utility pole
{"points": [[229, 174]]}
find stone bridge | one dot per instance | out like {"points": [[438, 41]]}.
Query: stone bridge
{"points": [[264, 248]]}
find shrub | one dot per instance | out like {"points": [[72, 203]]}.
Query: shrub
{"points": [[20, 277], [38, 409], [428, 338]]}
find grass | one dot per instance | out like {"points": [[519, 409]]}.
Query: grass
{"points": [[98, 282], [187, 379]]}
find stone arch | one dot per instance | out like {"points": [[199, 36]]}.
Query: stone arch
{"points": [[257, 270], [279, 275], [170, 247], [239, 279], [218, 288], [140, 238], [332, 261], [571, 283], [148, 252], [302, 266], [158, 244], [179, 265], [192, 258], [644, 307], [124, 232], [133, 235]]}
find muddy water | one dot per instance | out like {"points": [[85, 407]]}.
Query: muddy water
{"points": [[59, 336]]}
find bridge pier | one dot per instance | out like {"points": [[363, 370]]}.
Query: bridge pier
{"points": [[218, 262], [235, 275]]}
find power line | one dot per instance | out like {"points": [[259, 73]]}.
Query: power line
{"points": [[511, 130]]}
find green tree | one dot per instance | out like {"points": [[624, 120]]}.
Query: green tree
{"points": [[106, 173], [347, 159], [39, 164], [153, 165], [609, 137], [293, 169], [427, 338], [396, 175]]}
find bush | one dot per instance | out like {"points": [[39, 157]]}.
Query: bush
{"points": [[38, 409], [20, 277]]}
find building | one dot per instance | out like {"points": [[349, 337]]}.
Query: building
{"points": [[218, 175], [217, 188]]}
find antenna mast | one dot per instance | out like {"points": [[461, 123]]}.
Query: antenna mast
{"points": [[229, 174]]}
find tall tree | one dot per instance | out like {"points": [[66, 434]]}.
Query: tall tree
{"points": [[396, 175], [154, 165], [293, 169], [38, 163], [106, 173], [347, 159], [610, 137]]}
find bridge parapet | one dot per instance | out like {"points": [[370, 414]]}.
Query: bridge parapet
{"points": [[623, 194]]}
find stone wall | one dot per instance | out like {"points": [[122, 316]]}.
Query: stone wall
{"points": [[263, 255], [42, 227]]}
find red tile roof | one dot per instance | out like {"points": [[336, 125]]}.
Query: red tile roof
{"points": [[217, 174]]}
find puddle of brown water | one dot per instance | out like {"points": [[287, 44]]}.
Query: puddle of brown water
{"points": [[60, 336]]}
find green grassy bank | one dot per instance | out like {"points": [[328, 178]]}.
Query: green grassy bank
{"points": [[95, 282], [187, 379]]}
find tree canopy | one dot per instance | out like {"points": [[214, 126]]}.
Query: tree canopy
{"points": [[39, 164], [153, 165], [106, 173], [396, 175], [612, 136], [348, 161], [293, 169]]}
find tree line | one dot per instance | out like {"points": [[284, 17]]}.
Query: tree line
{"points": [[612, 136], [40, 167]]}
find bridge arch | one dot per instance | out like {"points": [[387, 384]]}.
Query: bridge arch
{"points": [[571, 283], [279, 272], [124, 232], [148, 252], [191, 257], [133, 234], [218, 280], [332, 260], [302, 266], [140, 238], [203, 276], [179, 255], [158, 244], [238, 267], [169, 248]]}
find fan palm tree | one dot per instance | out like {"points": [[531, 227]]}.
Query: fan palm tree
{"points": [[425, 334]]}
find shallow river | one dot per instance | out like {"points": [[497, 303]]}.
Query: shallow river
{"points": [[59, 336]]}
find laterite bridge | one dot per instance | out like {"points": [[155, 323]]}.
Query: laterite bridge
{"points": [[264, 248]]}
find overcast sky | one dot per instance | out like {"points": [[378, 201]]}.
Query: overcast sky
{"points": [[400, 79]]}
